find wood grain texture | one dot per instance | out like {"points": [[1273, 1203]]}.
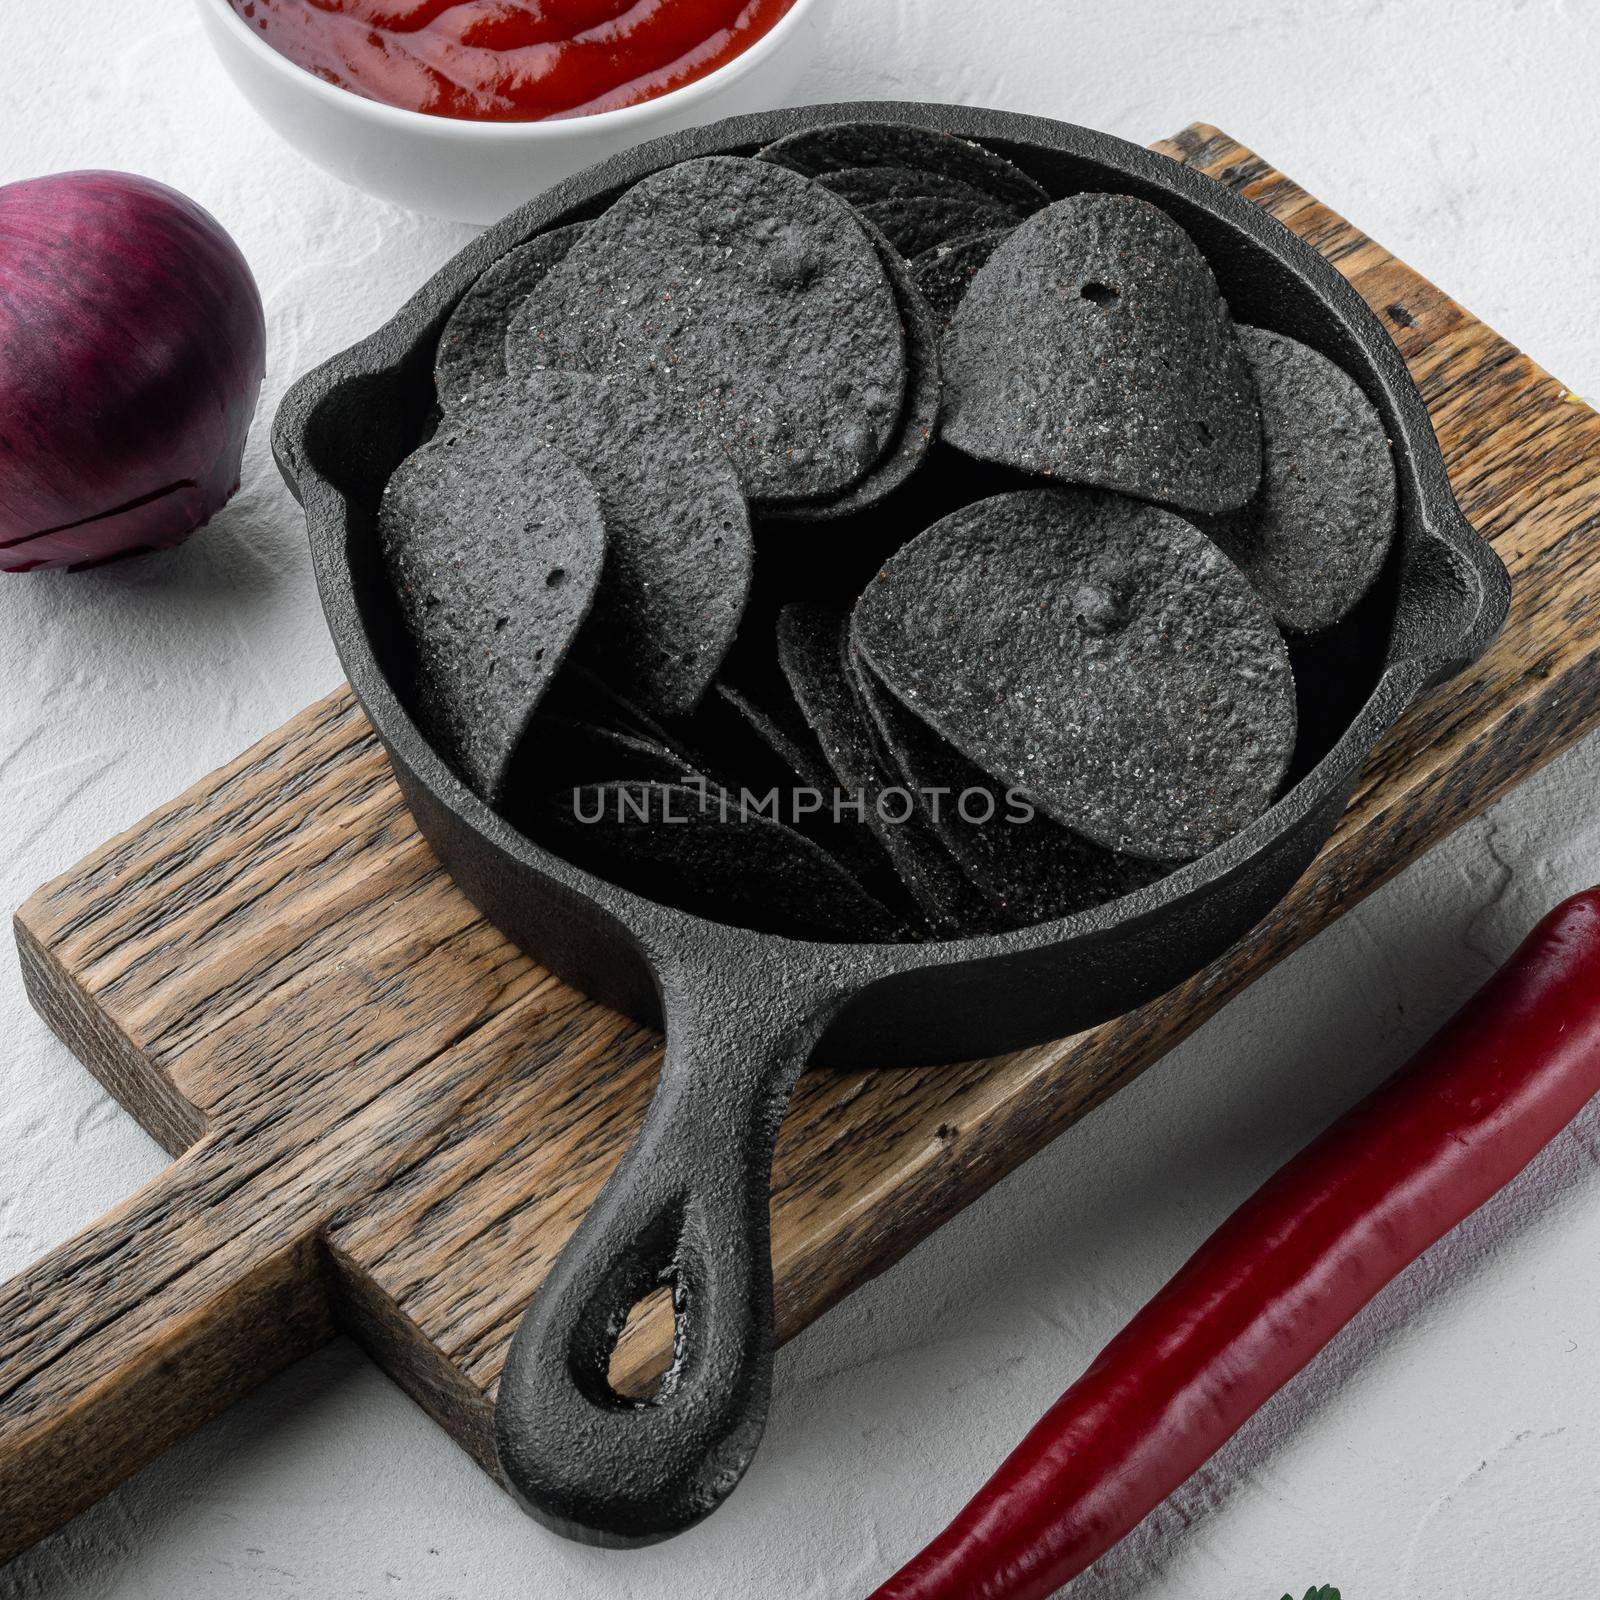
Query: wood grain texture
{"points": [[390, 1120]]}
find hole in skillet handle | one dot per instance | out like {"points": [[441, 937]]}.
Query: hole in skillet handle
{"points": [[640, 1385], [686, 1207]]}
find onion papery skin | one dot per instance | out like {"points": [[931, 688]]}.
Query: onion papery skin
{"points": [[132, 350]]}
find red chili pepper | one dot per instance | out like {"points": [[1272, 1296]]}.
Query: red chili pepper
{"points": [[1285, 1273]]}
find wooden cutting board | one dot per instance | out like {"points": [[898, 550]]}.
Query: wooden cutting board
{"points": [[388, 1120]]}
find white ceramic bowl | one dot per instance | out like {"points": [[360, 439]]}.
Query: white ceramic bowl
{"points": [[478, 171]]}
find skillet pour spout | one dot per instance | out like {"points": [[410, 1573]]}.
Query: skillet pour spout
{"points": [[744, 1011]]}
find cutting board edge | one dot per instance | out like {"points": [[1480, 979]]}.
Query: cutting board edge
{"points": [[116, 1062]]}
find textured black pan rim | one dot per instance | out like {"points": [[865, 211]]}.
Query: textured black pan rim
{"points": [[658, 931]]}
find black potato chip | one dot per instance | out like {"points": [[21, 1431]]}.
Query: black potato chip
{"points": [[800, 760], [699, 847], [1100, 654], [473, 344], [1028, 865], [561, 750], [865, 186], [806, 784], [903, 144], [945, 273], [734, 751], [678, 553], [579, 695], [495, 555], [919, 420], [812, 650], [755, 300], [950, 904], [810, 656], [914, 227], [1094, 347], [1316, 534]]}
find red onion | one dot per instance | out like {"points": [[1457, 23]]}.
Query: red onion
{"points": [[132, 348]]}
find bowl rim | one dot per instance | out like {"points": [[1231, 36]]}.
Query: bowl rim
{"points": [[551, 130], [654, 927]]}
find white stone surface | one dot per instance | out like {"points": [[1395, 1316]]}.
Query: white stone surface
{"points": [[1447, 1446]]}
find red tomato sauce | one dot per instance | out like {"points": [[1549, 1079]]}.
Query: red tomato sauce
{"points": [[511, 60]]}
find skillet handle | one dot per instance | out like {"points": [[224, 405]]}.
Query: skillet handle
{"points": [[1463, 594], [687, 1207]]}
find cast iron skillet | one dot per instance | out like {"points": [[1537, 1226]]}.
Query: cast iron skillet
{"points": [[743, 1011]]}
